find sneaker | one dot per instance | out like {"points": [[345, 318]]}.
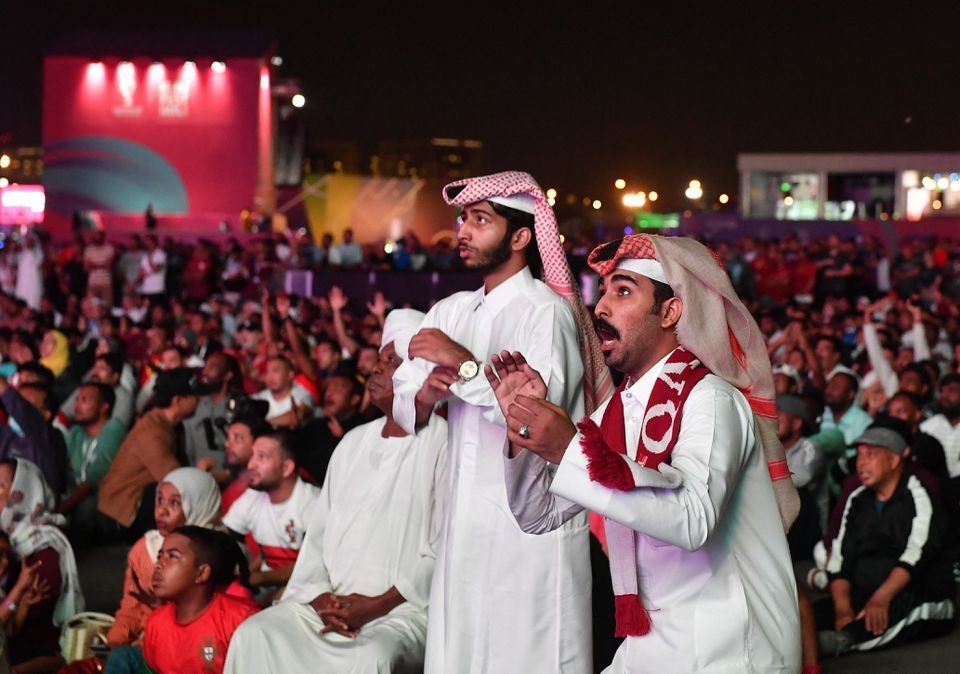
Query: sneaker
{"points": [[832, 643]]}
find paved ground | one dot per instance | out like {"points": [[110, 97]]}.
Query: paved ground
{"points": [[101, 574]]}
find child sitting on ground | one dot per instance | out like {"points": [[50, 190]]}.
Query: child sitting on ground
{"points": [[191, 632]]}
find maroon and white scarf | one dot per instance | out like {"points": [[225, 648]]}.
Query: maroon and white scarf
{"points": [[608, 463]]}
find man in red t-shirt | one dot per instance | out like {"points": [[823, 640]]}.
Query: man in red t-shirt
{"points": [[191, 633]]}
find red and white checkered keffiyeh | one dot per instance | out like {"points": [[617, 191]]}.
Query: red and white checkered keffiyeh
{"points": [[597, 383], [718, 328]]}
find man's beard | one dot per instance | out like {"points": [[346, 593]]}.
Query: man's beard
{"points": [[950, 411], [486, 261], [263, 486]]}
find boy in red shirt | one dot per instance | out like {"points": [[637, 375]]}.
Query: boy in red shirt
{"points": [[191, 633]]}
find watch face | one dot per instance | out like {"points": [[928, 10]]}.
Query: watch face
{"points": [[469, 369]]}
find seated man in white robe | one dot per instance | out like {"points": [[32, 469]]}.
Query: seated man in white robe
{"points": [[356, 601]]}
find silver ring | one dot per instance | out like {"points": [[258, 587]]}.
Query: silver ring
{"points": [[524, 432]]}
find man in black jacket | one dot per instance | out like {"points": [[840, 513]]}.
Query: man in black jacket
{"points": [[890, 575]]}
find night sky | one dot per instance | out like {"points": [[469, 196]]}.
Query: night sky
{"points": [[577, 93]]}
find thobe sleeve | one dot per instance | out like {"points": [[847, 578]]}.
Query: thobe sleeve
{"points": [[407, 381], [551, 348], [528, 479], [712, 448], [310, 577], [413, 581], [535, 508]]}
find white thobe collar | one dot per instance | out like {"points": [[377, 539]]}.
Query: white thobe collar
{"points": [[635, 398], [498, 298]]}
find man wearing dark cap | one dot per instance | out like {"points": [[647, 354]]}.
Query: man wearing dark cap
{"points": [[890, 578], [147, 455]]}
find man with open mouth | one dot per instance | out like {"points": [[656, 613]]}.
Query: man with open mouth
{"points": [[683, 461], [502, 601]]}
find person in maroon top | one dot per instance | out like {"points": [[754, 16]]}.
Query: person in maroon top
{"points": [[198, 274], [35, 537]]}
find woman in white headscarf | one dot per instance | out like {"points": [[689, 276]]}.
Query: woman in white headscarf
{"points": [[185, 496], [28, 519]]}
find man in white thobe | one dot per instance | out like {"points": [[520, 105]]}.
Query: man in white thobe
{"points": [[502, 601], [356, 602], [704, 539]]}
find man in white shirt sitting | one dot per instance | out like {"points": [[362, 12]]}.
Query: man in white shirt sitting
{"points": [[275, 509], [357, 599], [945, 426]]}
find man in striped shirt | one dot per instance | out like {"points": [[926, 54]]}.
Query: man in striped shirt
{"points": [[890, 574]]}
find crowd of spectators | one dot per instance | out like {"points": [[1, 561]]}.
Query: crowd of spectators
{"points": [[125, 363]]}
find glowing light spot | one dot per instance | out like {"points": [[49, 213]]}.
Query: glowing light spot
{"points": [[4, 161], [937, 204], [551, 193], [694, 190], [156, 73], [218, 67], [788, 201], [723, 198], [653, 196], [597, 204], [298, 101], [96, 72], [620, 183]]}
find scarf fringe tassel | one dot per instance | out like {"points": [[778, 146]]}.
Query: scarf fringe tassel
{"points": [[632, 618], [603, 464]]}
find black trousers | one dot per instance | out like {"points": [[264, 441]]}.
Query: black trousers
{"points": [[908, 623]]}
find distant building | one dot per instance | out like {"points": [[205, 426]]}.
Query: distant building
{"points": [[849, 186], [442, 159]]}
